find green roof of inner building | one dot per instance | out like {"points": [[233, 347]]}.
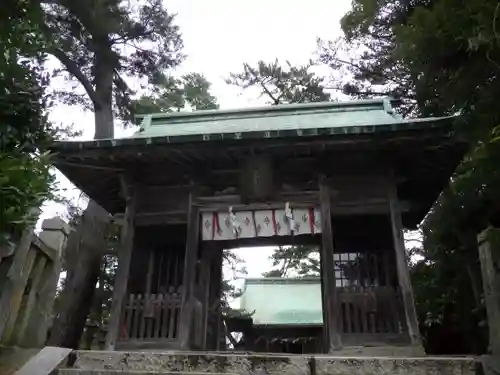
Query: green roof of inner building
{"points": [[283, 301]]}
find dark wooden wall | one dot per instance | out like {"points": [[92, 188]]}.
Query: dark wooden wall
{"points": [[363, 261], [364, 251], [157, 259]]}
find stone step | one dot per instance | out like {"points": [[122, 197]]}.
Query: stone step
{"points": [[269, 364], [75, 371]]}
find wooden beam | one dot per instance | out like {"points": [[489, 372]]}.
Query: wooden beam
{"points": [[122, 273], [491, 287], [331, 308], [402, 267], [192, 242]]}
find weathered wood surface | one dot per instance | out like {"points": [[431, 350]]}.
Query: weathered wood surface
{"points": [[18, 294], [41, 317], [122, 273], [192, 243], [489, 259], [149, 275], [23, 278], [329, 293], [151, 316], [369, 310], [45, 361], [88, 240], [352, 195], [14, 277], [30, 304], [402, 268], [204, 287], [257, 178]]}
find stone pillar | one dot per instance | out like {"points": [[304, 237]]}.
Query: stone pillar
{"points": [[489, 258], [54, 234]]}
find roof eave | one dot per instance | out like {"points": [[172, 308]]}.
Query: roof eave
{"points": [[138, 140]]}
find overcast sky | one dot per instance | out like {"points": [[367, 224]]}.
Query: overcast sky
{"points": [[221, 35]]}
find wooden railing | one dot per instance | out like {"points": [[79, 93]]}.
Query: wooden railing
{"points": [[151, 317], [369, 310]]}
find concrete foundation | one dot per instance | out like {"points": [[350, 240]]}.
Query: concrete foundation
{"points": [[148, 363]]}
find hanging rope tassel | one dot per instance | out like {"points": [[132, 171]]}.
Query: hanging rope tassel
{"points": [[236, 227], [289, 217]]}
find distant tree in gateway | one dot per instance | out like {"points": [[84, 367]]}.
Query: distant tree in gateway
{"points": [[294, 261]]}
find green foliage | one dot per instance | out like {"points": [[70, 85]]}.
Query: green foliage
{"points": [[25, 181], [289, 84], [102, 44], [300, 261], [172, 94], [233, 263], [439, 58]]}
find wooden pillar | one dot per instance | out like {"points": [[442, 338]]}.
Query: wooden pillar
{"points": [[216, 299], [149, 275], [192, 241], [207, 259], [489, 260], [402, 267], [122, 273], [331, 308]]}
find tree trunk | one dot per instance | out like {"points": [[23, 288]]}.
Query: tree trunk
{"points": [[77, 295], [79, 289]]}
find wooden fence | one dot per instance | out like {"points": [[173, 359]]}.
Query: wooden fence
{"points": [[154, 318], [369, 310], [28, 281], [151, 317]]}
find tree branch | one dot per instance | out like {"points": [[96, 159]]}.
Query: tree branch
{"points": [[73, 69], [263, 85]]}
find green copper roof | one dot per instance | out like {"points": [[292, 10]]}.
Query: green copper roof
{"points": [[270, 118], [271, 122], [303, 119], [283, 301]]}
